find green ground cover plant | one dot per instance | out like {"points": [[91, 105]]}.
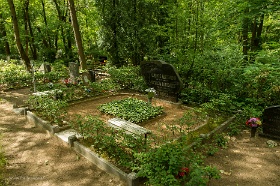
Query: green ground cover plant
{"points": [[173, 163], [49, 109], [131, 109], [13, 75], [3, 162]]}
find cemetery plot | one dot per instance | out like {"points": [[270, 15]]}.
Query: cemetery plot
{"points": [[169, 124]]}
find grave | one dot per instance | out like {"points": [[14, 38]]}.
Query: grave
{"points": [[74, 72], [45, 68], [271, 122], [88, 76], [163, 77]]}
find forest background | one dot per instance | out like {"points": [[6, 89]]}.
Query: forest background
{"points": [[227, 52]]}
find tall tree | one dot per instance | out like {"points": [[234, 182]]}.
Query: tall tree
{"points": [[77, 34], [22, 53], [3, 34]]}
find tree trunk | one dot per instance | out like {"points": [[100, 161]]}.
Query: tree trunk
{"points": [[32, 43], [66, 38], [46, 23], [17, 36], [4, 35], [245, 30], [77, 34], [25, 17]]}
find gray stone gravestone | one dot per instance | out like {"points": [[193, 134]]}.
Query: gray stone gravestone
{"points": [[163, 77], [271, 122], [74, 72], [45, 68]]}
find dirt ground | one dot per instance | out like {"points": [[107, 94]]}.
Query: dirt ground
{"points": [[35, 158]]}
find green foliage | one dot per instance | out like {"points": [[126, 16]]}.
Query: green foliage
{"points": [[201, 175], [13, 75], [236, 126], [220, 140], [118, 146], [48, 108], [3, 163], [162, 164], [105, 85], [128, 77], [131, 109]]}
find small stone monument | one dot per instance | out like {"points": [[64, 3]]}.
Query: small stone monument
{"points": [[271, 122], [45, 68], [163, 77], [74, 72]]}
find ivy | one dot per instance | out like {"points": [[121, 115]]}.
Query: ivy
{"points": [[131, 109]]}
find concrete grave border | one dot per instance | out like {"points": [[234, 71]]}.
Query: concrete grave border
{"points": [[69, 137]]}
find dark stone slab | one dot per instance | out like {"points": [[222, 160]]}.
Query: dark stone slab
{"points": [[271, 122], [163, 77]]}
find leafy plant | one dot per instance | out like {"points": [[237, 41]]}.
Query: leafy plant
{"points": [[220, 140], [14, 76], [128, 77], [48, 108], [3, 162], [131, 109], [118, 146], [201, 175], [161, 165]]}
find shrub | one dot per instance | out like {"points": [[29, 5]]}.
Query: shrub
{"points": [[48, 108], [117, 145], [161, 165], [14, 76], [128, 77]]}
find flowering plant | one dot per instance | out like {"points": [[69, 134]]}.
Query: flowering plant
{"points": [[254, 122], [151, 92], [183, 172]]}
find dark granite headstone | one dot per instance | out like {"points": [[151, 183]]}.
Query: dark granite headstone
{"points": [[88, 76], [271, 122], [163, 77]]}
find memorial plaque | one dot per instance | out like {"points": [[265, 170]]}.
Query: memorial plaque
{"points": [[271, 122], [163, 77]]}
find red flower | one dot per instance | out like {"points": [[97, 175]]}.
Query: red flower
{"points": [[183, 172]]}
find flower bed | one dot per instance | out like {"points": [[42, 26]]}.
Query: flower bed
{"points": [[131, 109]]}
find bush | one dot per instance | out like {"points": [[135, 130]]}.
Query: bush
{"points": [[117, 145], [161, 165], [128, 77], [48, 108], [14, 76]]}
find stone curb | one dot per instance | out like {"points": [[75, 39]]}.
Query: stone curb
{"points": [[131, 179], [218, 129], [71, 139], [103, 164]]}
